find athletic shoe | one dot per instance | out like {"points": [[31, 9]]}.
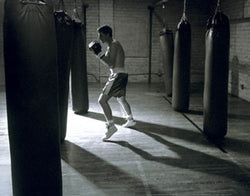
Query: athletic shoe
{"points": [[111, 129], [129, 123]]}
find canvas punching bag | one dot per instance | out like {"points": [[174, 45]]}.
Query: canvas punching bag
{"points": [[167, 50], [64, 30], [79, 80], [30, 54], [181, 68], [215, 98]]}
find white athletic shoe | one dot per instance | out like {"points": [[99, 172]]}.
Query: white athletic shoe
{"points": [[129, 123], [111, 129]]}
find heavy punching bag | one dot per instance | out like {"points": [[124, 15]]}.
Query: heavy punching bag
{"points": [[216, 76], [167, 50], [181, 68], [30, 53], [64, 30], [79, 80]]}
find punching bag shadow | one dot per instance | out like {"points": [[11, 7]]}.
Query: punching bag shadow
{"points": [[79, 80], [64, 32], [181, 68], [215, 98], [30, 53]]}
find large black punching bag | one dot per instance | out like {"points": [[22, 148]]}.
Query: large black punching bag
{"points": [[216, 76], [181, 68], [167, 50], [64, 30], [79, 80], [30, 53]]}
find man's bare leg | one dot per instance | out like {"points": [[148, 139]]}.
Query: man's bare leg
{"points": [[103, 101], [127, 109], [124, 105], [111, 129]]}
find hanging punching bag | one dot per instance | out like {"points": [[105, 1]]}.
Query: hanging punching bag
{"points": [[64, 30], [167, 50], [30, 54], [79, 80], [216, 76], [181, 69]]}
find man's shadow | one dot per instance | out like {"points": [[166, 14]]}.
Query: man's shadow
{"points": [[228, 144]]}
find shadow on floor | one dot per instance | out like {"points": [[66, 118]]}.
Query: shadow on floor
{"points": [[230, 115], [239, 116], [109, 178], [229, 144], [194, 160], [195, 112]]}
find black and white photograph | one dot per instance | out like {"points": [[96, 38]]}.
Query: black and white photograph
{"points": [[124, 97]]}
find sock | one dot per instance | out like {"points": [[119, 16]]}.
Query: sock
{"points": [[110, 122], [130, 117]]}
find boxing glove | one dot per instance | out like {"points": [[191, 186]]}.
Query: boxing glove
{"points": [[95, 46]]}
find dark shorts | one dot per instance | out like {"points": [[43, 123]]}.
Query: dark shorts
{"points": [[116, 85]]}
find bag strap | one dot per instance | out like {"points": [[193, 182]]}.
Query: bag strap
{"points": [[76, 16], [61, 5]]}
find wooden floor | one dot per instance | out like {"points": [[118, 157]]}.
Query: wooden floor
{"points": [[164, 154]]}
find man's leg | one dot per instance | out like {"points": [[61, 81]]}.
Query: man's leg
{"points": [[127, 109], [103, 101], [111, 128], [125, 105]]}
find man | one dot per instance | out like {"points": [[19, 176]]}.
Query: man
{"points": [[116, 85]]}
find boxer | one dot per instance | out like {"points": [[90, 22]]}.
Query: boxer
{"points": [[114, 58]]}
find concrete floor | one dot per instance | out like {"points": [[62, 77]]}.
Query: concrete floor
{"points": [[164, 154]]}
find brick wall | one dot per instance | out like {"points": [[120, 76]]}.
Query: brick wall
{"points": [[130, 22], [239, 74], [197, 14], [106, 17]]}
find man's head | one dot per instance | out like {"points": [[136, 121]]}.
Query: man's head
{"points": [[105, 33]]}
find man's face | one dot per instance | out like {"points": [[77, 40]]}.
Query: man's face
{"points": [[103, 37]]}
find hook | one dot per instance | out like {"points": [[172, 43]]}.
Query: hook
{"points": [[184, 10]]}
